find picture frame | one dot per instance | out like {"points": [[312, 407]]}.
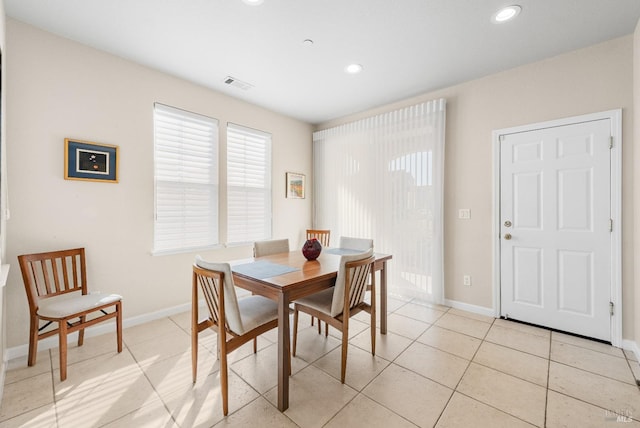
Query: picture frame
{"points": [[295, 185], [89, 161]]}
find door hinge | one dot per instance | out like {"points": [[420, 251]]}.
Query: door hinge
{"points": [[611, 142], [611, 308], [610, 225]]}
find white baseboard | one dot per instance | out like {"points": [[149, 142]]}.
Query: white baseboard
{"points": [[632, 346], [96, 330], [481, 310], [628, 345]]}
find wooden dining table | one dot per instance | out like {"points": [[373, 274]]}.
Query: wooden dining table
{"points": [[289, 276]]}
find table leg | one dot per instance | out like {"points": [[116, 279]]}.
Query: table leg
{"points": [[283, 352], [383, 298]]}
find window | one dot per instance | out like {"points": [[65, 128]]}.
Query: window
{"points": [[186, 180], [248, 184]]}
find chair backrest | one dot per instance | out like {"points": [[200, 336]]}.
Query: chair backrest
{"points": [[273, 246], [53, 273], [210, 276], [322, 235], [360, 244], [356, 268]]}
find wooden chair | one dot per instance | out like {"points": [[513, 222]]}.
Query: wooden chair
{"points": [[322, 235], [337, 304], [273, 246], [360, 244], [236, 321], [349, 243], [56, 286]]}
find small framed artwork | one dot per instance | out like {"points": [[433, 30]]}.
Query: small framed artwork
{"points": [[84, 160], [295, 185]]}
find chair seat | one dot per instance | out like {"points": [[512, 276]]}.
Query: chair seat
{"points": [[64, 306], [320, 301], [256, 311]]}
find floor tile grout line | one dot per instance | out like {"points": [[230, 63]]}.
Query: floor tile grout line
{"points": [[456, 390], [413, 341], [621, 357], [53, 388], [633, 374], [493, 407], [361, 392], [144, 373], [593, 373], [546, 390]]}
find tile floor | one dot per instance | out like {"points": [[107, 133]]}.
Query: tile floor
{"points": [[437, 366]]}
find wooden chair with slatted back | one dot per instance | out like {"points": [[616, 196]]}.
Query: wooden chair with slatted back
{"points": [[337, 304], [322, 235], [272, 246], [236, 321], [56, 286]]}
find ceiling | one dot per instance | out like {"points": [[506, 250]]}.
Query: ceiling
{"points": [[407, 47]]}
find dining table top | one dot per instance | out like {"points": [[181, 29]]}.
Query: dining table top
{"points": [[285, 271]]}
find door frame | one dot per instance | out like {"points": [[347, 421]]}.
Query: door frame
{"points": [[615, 116]]}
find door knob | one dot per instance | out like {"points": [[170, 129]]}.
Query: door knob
{"points": [[507, 223], [507, 236]]}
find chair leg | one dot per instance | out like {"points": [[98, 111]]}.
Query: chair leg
{"points": [[194, 343], [33, 341], [345, 344], [83, 318], [223, 383], [373, 318], [62, 337], [326, 329], [119, 325], [295, 331], [373, 331], [319, 326]]}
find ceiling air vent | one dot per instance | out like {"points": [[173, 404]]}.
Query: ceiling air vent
{"points": [[237, 83]]}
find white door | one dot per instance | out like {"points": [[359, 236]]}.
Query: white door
{"points": [[555, 214]]}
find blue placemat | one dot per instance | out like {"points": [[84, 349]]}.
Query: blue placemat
{"points": [[262, 269], [342, 251]]}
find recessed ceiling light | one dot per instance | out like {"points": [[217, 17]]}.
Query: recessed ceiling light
{"points": [[253, 2], [307, 42], [353, 68], [506, 13]]}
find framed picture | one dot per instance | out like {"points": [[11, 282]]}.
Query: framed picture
{"points": [[84, 160], [295, 185]]}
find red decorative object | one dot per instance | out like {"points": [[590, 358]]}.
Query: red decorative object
{"points": [[311, 249]]}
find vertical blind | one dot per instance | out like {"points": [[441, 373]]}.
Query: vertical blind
{"points": [[248, 184], [186, 180], [382, 178]]}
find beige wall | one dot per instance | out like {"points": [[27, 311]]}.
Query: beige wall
{"points": [[589, 80], [3, 184], [636, 183], [58, 88]]}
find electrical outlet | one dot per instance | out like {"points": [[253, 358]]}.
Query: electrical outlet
{"points": [[466, 280], [464, 213]]}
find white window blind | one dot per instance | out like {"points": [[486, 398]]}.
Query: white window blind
{"points": [[382, 178], [248, 184], [186, 180]]}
